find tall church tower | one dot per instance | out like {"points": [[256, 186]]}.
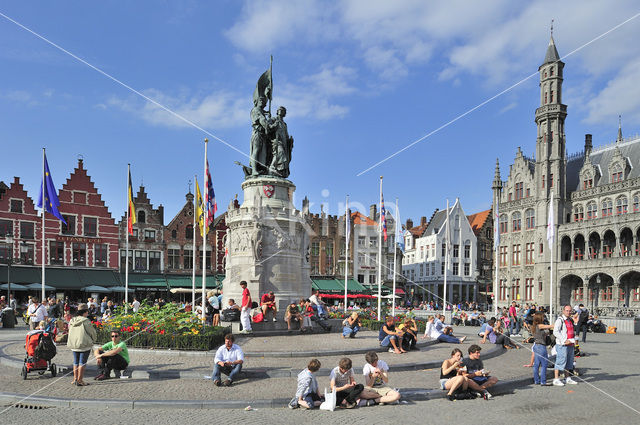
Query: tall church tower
{"points": [[551, 142]]}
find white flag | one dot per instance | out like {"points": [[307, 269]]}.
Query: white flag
{"points": [[551, 232]]}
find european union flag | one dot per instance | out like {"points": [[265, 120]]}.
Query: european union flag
{"points": [[51, 202]]}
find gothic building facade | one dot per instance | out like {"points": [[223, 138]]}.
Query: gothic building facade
{"points": [[594, 199]]}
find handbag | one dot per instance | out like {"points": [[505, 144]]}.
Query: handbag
{"points": [[329, 402]]}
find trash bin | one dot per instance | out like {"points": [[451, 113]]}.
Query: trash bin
{"points": [[8, 318]]}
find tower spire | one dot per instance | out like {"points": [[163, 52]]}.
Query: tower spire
{"points": [[497, 181], [619, 129]]}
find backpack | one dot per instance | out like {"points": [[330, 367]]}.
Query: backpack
{"points": [[46, 349], [584, 317]]}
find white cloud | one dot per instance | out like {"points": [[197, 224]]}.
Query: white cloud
{"points": [[621, 95], [507, 108]]}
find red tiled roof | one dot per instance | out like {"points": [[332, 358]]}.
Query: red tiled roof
{"points": [[418, 230], [477, 220], [359, 218]]}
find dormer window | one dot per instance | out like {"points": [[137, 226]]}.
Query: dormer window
{"points": [[616, 177]]}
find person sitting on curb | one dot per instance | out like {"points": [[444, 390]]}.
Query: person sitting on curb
{"points": [[228, 360], [308, 392], [292, 313], [451, 377], [479, 378], [351, 325], [431, 331], [343, 382], [376, 380], [388, 336], [495, 336], [318, 304], [409, 331], [111, 356], [268, 303]]}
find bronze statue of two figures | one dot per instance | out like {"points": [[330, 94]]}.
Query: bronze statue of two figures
{"points": [[271, 144]]}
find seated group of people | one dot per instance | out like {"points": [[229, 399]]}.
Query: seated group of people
{"points": [[436, 329], [398, 338], [463, 375], [305, 313], [349, 393]]}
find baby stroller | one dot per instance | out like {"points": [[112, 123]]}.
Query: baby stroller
{"points": [[40, 351]]}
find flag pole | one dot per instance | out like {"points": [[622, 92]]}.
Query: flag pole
{"points": [[395, 259], [126, 262], [446, 262], [193, 255], [44, 208], [550, 239], [496, 243], [346, 251], [205, 228], [380, 252]]}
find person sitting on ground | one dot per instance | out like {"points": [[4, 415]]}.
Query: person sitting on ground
{"points": [[482, 318], [473, 318], [343, 382], [495, 336], [480, 378], [111, 356], [228, 360], [431, 331], [438, 321], [376, 380], [409, 331], [292, 313], [268, 303], [389, 337], [451, 377], [351, 325], [308, 392], [483, 328]]}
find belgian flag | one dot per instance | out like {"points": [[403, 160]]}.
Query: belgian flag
{"points": [[132, 209]]}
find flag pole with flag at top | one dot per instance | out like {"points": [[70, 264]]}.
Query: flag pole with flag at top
{"points": [[204, 236], [196, 215], [48, 202], [131, 220]]}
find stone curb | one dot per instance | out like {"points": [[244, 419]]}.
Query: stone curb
{"points": [[417, 394]]}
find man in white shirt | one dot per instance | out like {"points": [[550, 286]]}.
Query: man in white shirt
{"points": [[376, 379], [135, 305], [318, 303], [228, 360], [432, 331], [37, 313]]}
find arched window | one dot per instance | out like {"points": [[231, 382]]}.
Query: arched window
{"points": [[503, 223], [578, 213], [516, 221], [592, 210], [188, 231], [530, 218], [174, 234], [622, 205], [607, 208], [636, 202], [141, 217]]}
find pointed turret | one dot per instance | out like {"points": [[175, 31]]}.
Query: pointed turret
{"points": [[552, 53], [619, 139], [497, 181]]}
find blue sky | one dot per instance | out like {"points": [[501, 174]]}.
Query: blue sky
{"points": [[360, 80]]}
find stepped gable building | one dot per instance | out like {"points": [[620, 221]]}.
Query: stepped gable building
{"points": [[595, 195], [178, 237], [424, 262], [327, 247], [20, 222], [146, 245], [80, 253], [482, 226]]}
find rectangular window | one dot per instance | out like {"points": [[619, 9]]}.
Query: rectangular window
{"points": [[519, 190], [100, 255], [187, 258], [361, 259], [442, 268], [90, 226], [578, 294], [315, 248], [141, 260], [26, 253], [154, 261], [150, 235], [26, 230], [509, 197], [123, 261], [543, 180], [5, 252], [456, 270], [173, 258], [373, 260], [6, 228], [79, 254], [433, 268], [515, 290], [467, 269], [503, 289], [540, 286], [362, 241], [467, 251], [372, 279], [56, 253], [528, 289], [541, 248], [373, 243], [70, 227], [607, 294], [529, 253], [515, 260], [456, 251], [551, 181], [503, 256], [16, 206], [444, 249]]}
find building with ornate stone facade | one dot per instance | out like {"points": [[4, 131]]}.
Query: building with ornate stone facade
{"points": [[595, 199], [424, 258]]}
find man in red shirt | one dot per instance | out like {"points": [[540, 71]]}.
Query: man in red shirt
{"points": [[268, 303], [245, 312]]}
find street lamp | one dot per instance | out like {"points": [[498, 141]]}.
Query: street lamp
{"points": [[9, 238]]}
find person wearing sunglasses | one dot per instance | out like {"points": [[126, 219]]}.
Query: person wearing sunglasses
{"points": [[112, 356]]}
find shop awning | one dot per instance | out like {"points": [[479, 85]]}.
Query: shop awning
{"points": [[185, 281], [98, 277], [144, 280], [400, 291], [327, 285]]}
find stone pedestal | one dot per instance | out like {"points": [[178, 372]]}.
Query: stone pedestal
{"points": [[267, 243]]}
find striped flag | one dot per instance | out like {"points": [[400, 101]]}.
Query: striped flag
{"points": [[383, 218], [132, 209], [199, 209]]}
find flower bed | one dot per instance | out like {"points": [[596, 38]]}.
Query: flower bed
{"points": [[165, 327]]}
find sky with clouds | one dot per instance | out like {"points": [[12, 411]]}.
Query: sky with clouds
{"points": [[361, 80]]}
